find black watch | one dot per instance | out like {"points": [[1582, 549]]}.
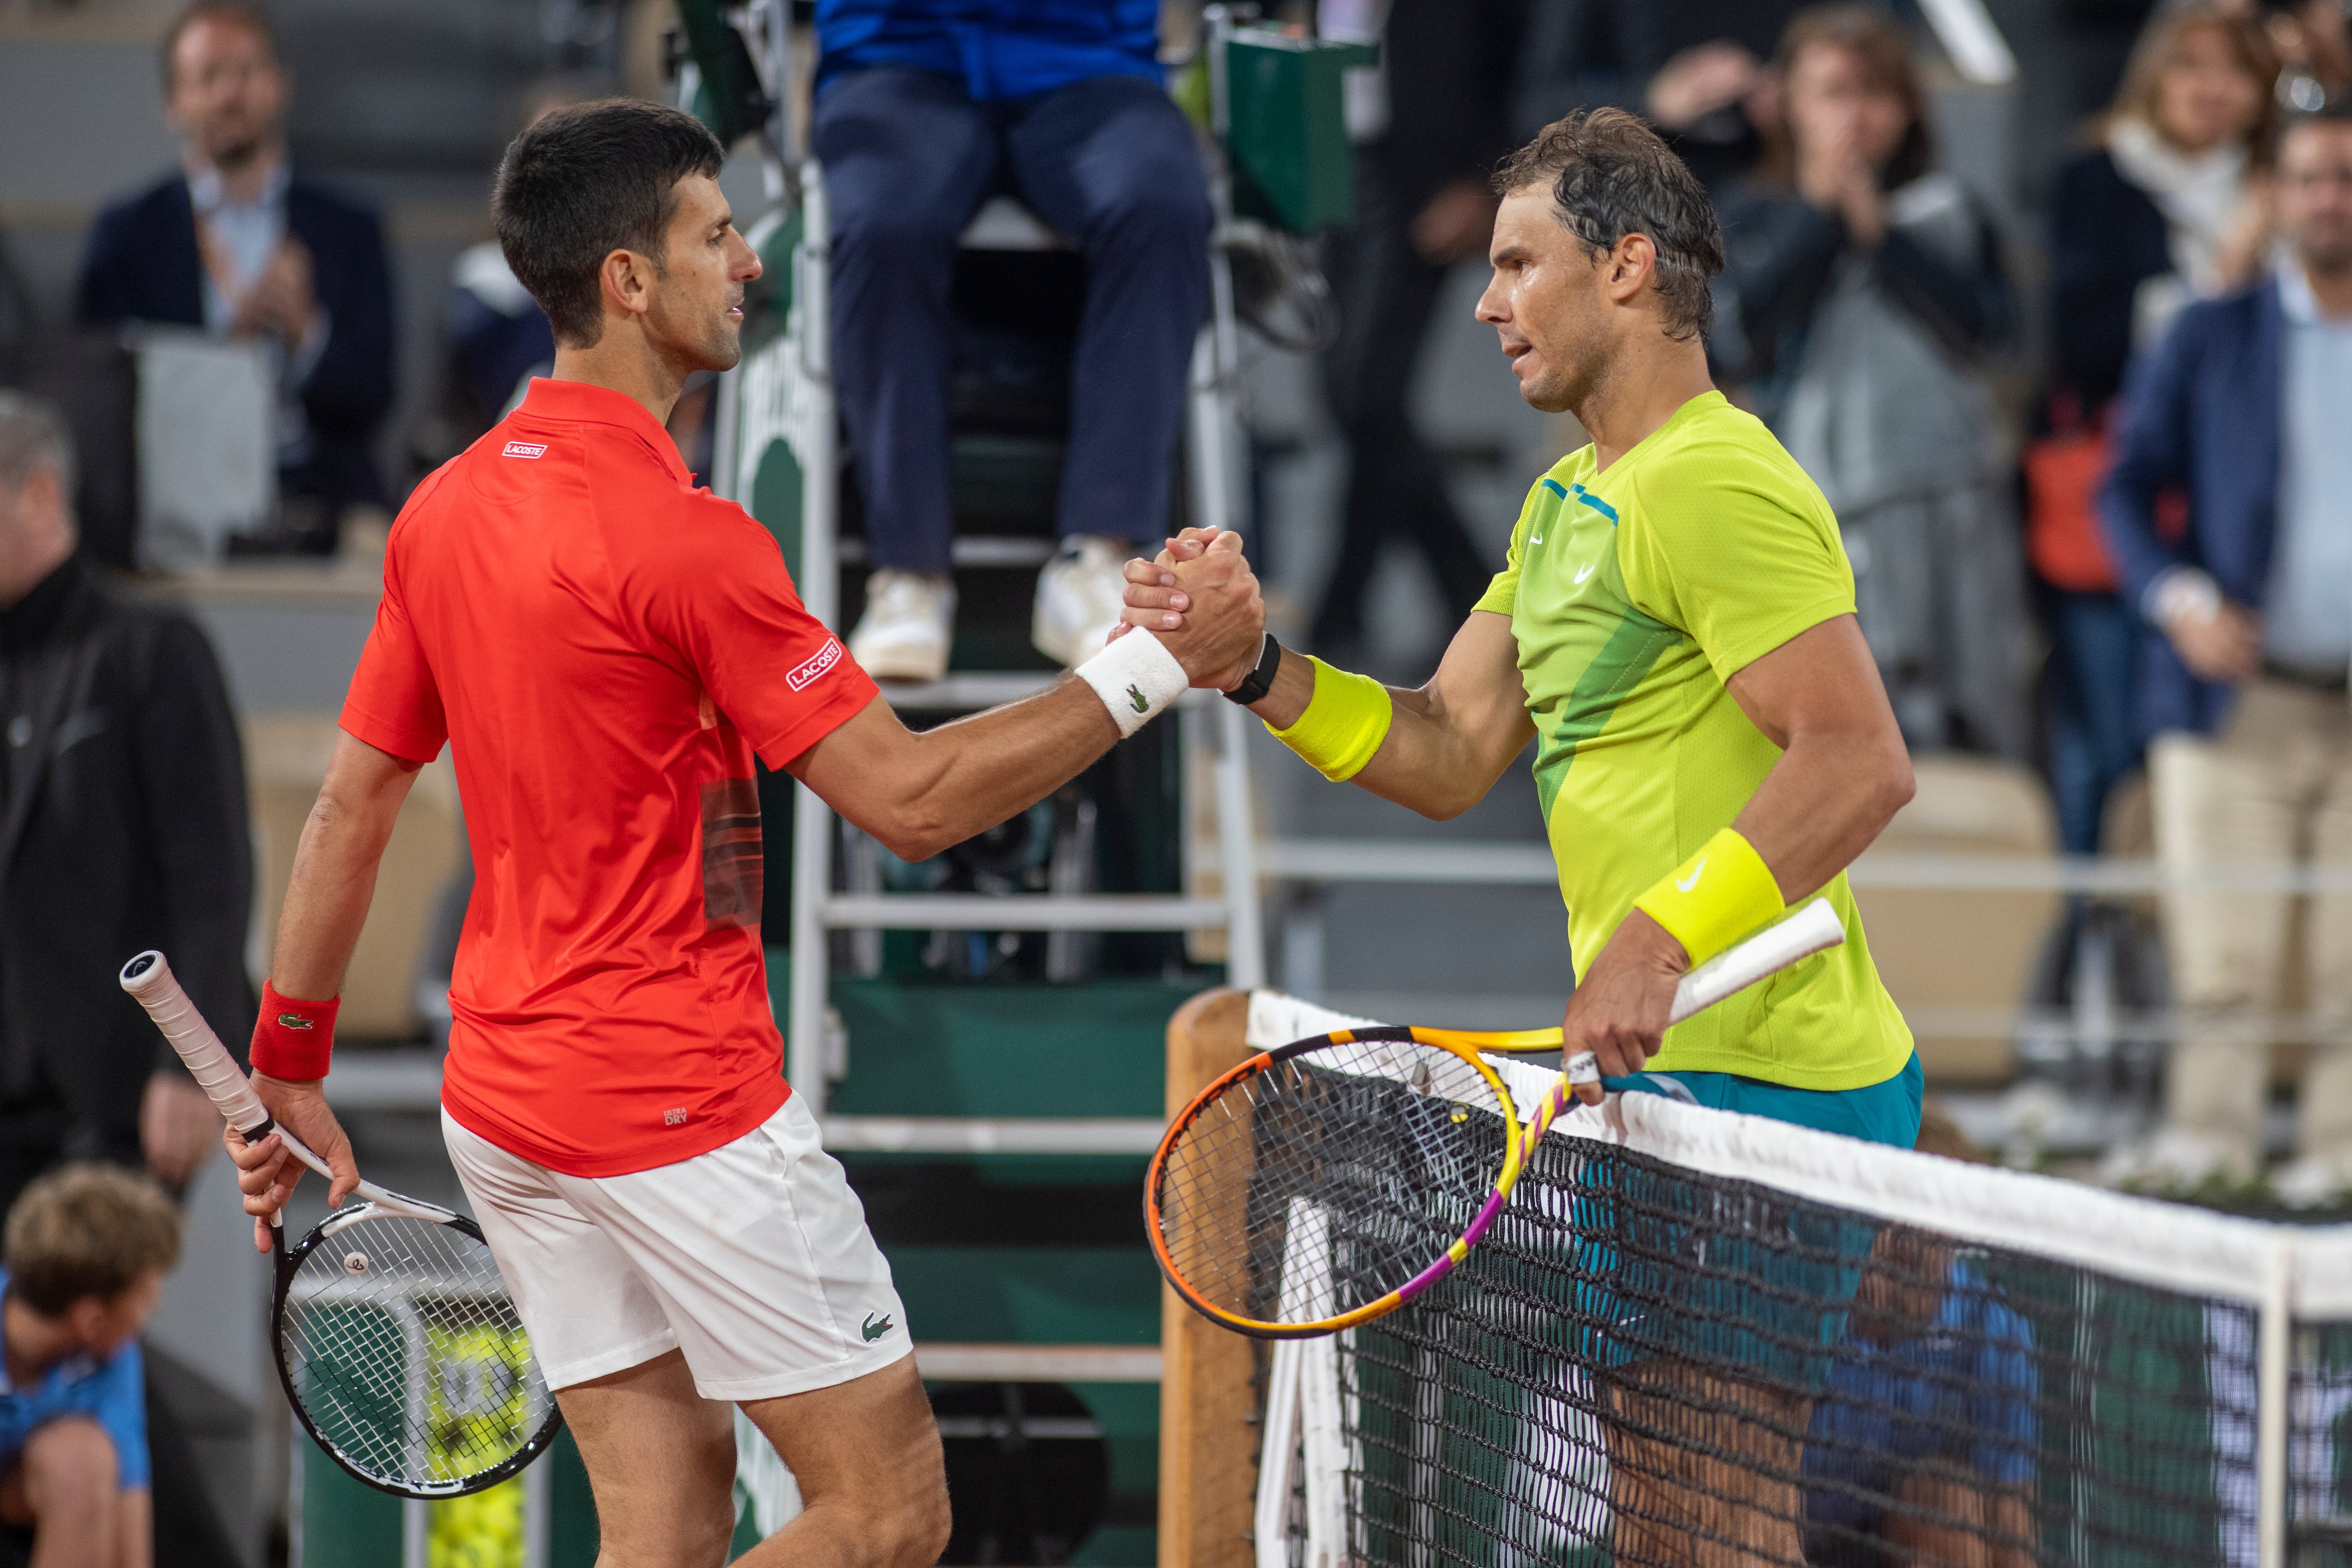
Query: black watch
{"points": [[1261, 679]]}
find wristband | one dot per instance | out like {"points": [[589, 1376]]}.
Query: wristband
{"points": [[1344, 724], [293, 1039], [1716, 896], [2183, 593], [1137, 678]]}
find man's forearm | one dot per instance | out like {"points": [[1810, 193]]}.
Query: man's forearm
{"points": [[333, 881], [1447, 742], [919, 793], [1822, 804]]}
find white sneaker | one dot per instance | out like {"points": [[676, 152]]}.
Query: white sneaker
{"points": [[1080, 594], [2174, 1160], [908, 622], [2313, 1180]]}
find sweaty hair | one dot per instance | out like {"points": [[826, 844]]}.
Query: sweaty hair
{"points": [[88, 1231], [1610, 175], [587, 181], [242, 13]]}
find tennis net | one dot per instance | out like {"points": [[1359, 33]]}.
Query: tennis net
{"points": [[1702, 1339]]}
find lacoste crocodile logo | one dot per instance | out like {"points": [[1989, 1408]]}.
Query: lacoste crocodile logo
{"points": [[292, 1021], [874, 1330], [1685, 884], [1136, 696]]}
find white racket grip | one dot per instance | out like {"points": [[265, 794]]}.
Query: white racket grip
{"points": [[1813, 928], [150, 983]]}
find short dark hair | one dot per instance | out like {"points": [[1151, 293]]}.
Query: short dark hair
{"points": [[244, 13], [2335, 112], [1610, 176], [584, 181], [85, 1231]]}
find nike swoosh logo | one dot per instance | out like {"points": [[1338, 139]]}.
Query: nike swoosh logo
{"points": [[1581, 577], [1685, 884]]}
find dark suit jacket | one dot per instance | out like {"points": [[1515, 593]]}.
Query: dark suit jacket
{"points": [[2199, 415], [1451, 66], [125, 828], [140, 265], [2107, 238]]}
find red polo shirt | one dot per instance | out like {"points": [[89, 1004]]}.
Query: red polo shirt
{"points": [[604, 647]]}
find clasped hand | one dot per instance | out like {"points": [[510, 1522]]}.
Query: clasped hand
{"points": [[1200, 597]]}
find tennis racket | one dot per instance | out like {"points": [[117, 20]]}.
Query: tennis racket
{"points": [[394, 1336], [1323, 1184]]}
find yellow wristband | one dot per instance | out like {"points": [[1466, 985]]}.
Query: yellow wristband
{"points": [[1716, 896], [1344, 724]]}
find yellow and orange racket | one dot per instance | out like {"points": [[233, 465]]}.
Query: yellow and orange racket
{"points": [[1318, 1186]]}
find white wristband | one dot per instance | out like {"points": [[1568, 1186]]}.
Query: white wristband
{"points": [[2182, 593], [1137, 678]]}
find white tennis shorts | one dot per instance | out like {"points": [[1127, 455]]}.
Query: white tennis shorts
{"points": [[754, 1259]]}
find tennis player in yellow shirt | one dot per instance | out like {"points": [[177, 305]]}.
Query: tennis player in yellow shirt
{"points": [[1675, 630]]}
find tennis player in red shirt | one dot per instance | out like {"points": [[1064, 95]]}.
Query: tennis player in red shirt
{"points": [[605, 648]]}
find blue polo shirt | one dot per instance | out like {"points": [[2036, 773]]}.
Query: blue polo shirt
{"points": [[113, 1393], [1962, 1390], [1001, 51]]}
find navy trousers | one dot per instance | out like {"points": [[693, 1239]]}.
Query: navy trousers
{"points": [[1111, 164]]}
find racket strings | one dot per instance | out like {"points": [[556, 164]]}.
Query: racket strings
{"points": [[406, 1354], [1329, 1178]]}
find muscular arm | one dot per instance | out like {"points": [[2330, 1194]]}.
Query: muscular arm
{"points": [[1842, 774], [335, 867], [1449, 741], [920, 792], [326, 905], [1843, 771]]}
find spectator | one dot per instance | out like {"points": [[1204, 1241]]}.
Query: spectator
{"points": [[2165, 209], [1921, 1448], [921, 113], [1422, 203], [2244, 407], [1703, 83], [122, 827], [238, 244], [1861, 289], [86, 1252]]}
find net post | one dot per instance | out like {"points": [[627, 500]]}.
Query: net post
{"points": [[1208, 1447], [2273, 1365]]}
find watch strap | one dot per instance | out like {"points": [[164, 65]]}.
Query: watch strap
{"points": [[1261, 679]]}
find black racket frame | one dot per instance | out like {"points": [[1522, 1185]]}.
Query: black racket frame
{"points": [[289, 1263]]}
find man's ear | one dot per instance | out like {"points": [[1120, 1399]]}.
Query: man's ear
{"points": [[625, 282], [43, 491], [86, 1318], [1632, 261]]}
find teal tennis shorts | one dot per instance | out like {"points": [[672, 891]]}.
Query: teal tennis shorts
{"points": [[1672, 1266]]}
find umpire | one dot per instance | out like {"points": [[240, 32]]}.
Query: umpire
{"points": [[122, 827]]}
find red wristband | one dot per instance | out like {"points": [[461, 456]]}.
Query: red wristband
{"points": [[294, 1039]]}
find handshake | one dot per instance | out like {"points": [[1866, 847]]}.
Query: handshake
{"points": [[1200, 599]]}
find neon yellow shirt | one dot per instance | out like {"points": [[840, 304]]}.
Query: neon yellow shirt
{"points": [[1633, 595]]}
